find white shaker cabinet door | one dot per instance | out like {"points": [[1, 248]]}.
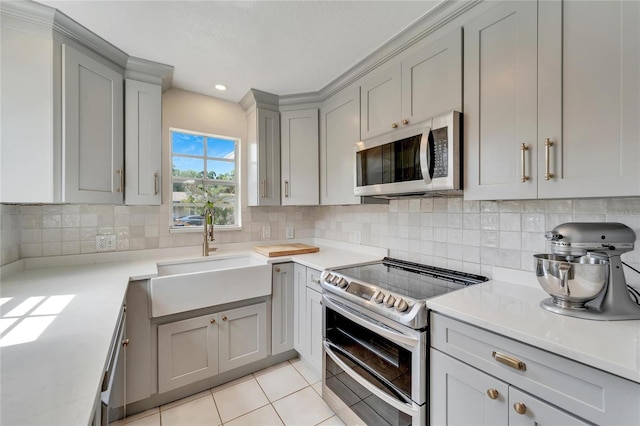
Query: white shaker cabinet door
{"points": [[525, 410], [500, 123], [589, 99], [242, 336], [187, 351], [143, 143], [380, 98], [339, 132], [462, 395], [299, 309], [282, 308], [299, 166], [93, 148], [432, 79], [314, 330]]}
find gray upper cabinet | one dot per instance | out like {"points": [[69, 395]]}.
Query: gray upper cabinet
{"points": [[561, 121], [422, 85], [500, 102], [93, 145], [589, 99], [62, 110], [299, 158], [380, 102], [263, 148], [339, 132], [143, 143]]}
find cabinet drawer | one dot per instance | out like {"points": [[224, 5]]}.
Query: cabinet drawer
{"points": [[592, 394], [313, 279]]}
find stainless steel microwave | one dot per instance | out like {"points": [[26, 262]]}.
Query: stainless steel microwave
{"points": [[415, 160]]}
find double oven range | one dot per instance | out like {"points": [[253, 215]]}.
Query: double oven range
{"points": [[375, 361]]}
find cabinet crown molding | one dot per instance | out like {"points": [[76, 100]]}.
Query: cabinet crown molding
{"points": [[149, 72], [258, 99]]}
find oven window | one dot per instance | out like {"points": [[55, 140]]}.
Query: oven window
{"points": [[371, 409], [381, 357]]}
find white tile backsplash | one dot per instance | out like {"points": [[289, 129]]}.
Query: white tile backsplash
{"points": [[471, 235]]}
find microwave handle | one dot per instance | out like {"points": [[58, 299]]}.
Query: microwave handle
{"points": [[425, 155]]}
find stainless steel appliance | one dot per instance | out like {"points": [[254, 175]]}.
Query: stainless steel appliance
{"points": [[584, 273], [418, 159], [375, 367]]}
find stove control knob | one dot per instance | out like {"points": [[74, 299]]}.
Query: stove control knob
{"points": [[389, 300], [378, 296], [400, 305], [342, 283], [328, 278], [335, 280]]}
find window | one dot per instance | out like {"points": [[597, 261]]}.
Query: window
{"points": [[204, 169]]}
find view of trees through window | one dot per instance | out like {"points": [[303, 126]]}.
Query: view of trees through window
{"points": [[204, 173]]}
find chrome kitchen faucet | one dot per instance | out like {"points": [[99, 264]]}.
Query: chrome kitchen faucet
{"points": [[208, 232]]}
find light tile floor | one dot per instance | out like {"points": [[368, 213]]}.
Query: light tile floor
{"points": [[285, 394]]}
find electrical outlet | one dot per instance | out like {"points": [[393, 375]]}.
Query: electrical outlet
{"points": [[266, 232], [289, 232], [105, 242], [357, 237]]}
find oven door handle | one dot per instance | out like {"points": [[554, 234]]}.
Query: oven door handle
{"points": [[405, 407], [394, 336]]}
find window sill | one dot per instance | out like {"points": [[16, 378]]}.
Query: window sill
{"points": [[200, 230]]}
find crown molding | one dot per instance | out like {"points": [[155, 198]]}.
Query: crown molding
{"points": [[258, 99], [149, 72], [435, 19]]}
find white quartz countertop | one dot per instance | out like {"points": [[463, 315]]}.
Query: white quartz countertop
{"points": [[513, 310], [54, 378]]}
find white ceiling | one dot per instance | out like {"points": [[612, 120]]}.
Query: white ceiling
{"points": [[282, 47]]}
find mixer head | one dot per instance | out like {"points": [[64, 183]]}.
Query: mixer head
{"points": [[580, 238]]}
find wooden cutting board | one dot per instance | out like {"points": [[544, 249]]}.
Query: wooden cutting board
{"points": [[285, 249]]}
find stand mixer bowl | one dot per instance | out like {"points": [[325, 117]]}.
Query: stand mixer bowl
{"points": [[572, 281]]}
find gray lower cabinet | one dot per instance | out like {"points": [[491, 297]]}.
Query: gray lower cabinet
{"points": [[463, 395], [138, 360], [483, 378], [198, 348], [282, 308], [308, 316]]}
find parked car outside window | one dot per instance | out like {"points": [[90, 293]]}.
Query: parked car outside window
{"points": [[191, 220]]}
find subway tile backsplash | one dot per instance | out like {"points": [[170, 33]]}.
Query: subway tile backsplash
{"points": [[472, 236]]}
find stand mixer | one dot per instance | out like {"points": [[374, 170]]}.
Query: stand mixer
{"points": [[584, 274]]}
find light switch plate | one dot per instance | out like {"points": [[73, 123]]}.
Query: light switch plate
{"points": [[289, 232], [266, 232], [105, 242]]}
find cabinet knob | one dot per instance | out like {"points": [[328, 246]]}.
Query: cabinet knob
{"points": [[125, 342], [277, 269], [493, 393], [224, 318], [212, 321], [405, 121], [520, 408], [394, 125]]}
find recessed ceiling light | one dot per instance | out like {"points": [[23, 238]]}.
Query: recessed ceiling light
{"points": [[220, 87]]}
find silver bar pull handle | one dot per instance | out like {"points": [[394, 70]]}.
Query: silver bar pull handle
{"points": [[155, 183], [547, 144], [263, 188], [120, 172], [523, 149], [286, 189]]}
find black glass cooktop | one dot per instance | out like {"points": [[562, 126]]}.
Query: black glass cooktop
{"points": [[410, 279]]}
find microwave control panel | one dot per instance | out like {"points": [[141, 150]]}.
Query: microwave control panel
{"points": [[440, 153]]}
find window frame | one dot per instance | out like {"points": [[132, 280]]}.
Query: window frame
{"points": [[235, 183]]}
